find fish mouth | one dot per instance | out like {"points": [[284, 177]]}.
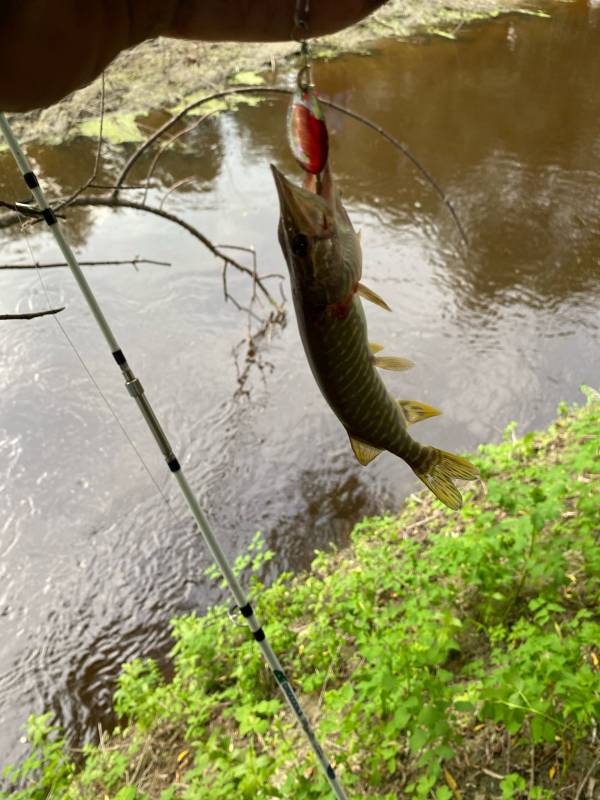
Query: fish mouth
{"points": [[301, 210]]}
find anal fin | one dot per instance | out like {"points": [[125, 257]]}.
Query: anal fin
{"points": [[393, 362], [414, 411], [369, 294], [364, 452]]}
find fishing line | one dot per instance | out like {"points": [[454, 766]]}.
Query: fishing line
{"points": [[136, 390], [107, 402]]}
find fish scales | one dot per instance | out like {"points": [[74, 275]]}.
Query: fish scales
{"points": [[347, 388], [323, 255], [355, 392]]}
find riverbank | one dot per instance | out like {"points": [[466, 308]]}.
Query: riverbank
{"points": [[165, 73], [440, 655]]}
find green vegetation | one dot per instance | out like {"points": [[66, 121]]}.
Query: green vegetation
{"points": [[441, 656]]}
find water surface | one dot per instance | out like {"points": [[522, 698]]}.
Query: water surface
{"points": [[93, 562]]}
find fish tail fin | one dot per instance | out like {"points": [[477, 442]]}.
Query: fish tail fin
{"points": [[439, 470]]}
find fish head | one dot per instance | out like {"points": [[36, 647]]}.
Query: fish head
{"points": [[312, 241]]}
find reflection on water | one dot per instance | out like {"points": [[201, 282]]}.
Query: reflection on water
{"points": [[93, 563], [190, 167], [504, 119]]}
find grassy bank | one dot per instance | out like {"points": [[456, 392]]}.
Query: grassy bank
{"points": [[441, 656]]}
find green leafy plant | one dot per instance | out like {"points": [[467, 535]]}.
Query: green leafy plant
{"points": [[431, 642], [252, 561], [47, 767]]}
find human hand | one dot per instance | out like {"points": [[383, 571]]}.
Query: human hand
{"points": [[48, 48]]}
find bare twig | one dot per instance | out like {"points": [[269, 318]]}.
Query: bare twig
{"points": [[140, 760], [586, 777], [228, 296], [156, 135], [22, 208], [166, 145], [265, 276], [251, 341], [242, 249], [32, 314], [419, 522], [491, 774], [67, 201], [328, 676], [252, 251], [177, 185], [130, 187], [383, 23], [52, 264], [101, 739]]}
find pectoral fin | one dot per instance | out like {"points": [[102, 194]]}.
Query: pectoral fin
{"points": [[393, 363], [364, 452], [415, 411], [369, 294], [374, 347]]}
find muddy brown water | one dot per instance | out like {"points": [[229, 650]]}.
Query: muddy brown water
{"points": [[92, 562]]}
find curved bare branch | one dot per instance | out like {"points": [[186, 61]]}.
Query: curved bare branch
{"points": [[116, 202], [53, 264], [281, 91], [167, 144]]}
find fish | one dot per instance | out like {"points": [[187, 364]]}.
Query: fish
{"points": [[324, 258]]}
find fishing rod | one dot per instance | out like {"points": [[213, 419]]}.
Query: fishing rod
{"points": [[136, 390]]}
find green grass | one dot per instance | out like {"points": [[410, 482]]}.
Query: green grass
{"points": [[441, 655]]}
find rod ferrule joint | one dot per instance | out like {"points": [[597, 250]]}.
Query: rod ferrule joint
{"points": [[134, 387]]}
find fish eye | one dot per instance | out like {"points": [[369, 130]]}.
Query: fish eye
{"points": [[300, 244]]}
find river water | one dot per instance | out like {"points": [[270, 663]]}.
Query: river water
{"points": [[93, 562]]}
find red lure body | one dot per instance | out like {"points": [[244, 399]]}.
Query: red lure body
{"points": [[307, 132]]}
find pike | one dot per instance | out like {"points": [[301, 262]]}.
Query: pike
{"points": [[324, 258]]}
